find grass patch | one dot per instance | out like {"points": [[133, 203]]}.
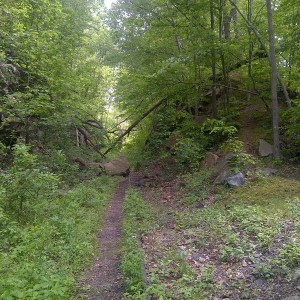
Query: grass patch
{"points": [[248, 233], [273, 193], [138, 219], [42, 257]]}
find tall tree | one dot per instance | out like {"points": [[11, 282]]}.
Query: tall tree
{"points": [[213, 62], [273, 80]]}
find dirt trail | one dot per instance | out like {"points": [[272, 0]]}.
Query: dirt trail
{"points": [[103, 281]]}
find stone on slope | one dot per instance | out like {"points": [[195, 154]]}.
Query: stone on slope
{"points": [[210, 160], [235, 180], [116, 167], [268, 172], [265, 149]]}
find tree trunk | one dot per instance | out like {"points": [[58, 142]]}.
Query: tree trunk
{"points": [[222, 58], [250, 49], [274, 81], [213, 65]]}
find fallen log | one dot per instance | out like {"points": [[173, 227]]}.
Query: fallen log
{"points": [[116, 167]]}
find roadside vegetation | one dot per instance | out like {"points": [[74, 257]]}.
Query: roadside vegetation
{"points": [[47, 228], [243, 246], [183, 90], [138, 220]]}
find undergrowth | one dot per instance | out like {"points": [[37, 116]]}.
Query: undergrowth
{"points": [[47, 232], [138, 219], [247, 234]]}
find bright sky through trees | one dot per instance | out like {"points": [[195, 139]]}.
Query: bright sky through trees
{"points": [[108, 3]]}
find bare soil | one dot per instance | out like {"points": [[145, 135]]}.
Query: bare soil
{"points": [[103, 281]]}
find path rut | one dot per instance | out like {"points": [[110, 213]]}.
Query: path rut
{"points": [[103, 281]]}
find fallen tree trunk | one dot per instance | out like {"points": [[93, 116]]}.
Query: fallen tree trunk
{"points": [[134, 124], [86, 164], [116, 167]]}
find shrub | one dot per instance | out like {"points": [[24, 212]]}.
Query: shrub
{"points": [[26, 183], [239, 159], [187, 152]]}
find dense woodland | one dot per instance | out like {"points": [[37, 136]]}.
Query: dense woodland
{"points": [[161, 82]]}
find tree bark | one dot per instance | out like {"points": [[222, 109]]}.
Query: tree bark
{"points": [[213, 65], [250, 49], [273, 81]]}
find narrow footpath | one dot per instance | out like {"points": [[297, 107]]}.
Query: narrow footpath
{"points": [[103, 281]]}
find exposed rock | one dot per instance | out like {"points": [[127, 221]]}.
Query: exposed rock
{"points": [[222, 177], [265, 149], [268, 171], [235, 180], [222, 164], [297, 274], [260, 282], [210, 160], [221, 169], [116, 167]]}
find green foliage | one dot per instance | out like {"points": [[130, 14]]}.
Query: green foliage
{"points": [[231, 253], [52, 73], [137, 221], [173, 278], [188, 152], [134, 147], [231, 115], [217, 128], [48, 235], [197, 186], [239, 159], [291, 131], [26, 184], [289, 255], [255, 221]]}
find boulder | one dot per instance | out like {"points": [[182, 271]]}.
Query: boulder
{"points": [[116, 167], [265, 149], [223, 174], [221, 169], [222, 164], [268, 172], [220, 179], [210, 160], [235, 180]]}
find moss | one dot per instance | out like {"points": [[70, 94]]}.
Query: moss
{"points": [[272, 193]]}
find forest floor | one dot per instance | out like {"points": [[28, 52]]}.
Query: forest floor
{"points": [[198, 240], [230, 244], [103, 280], [204, 241]]}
